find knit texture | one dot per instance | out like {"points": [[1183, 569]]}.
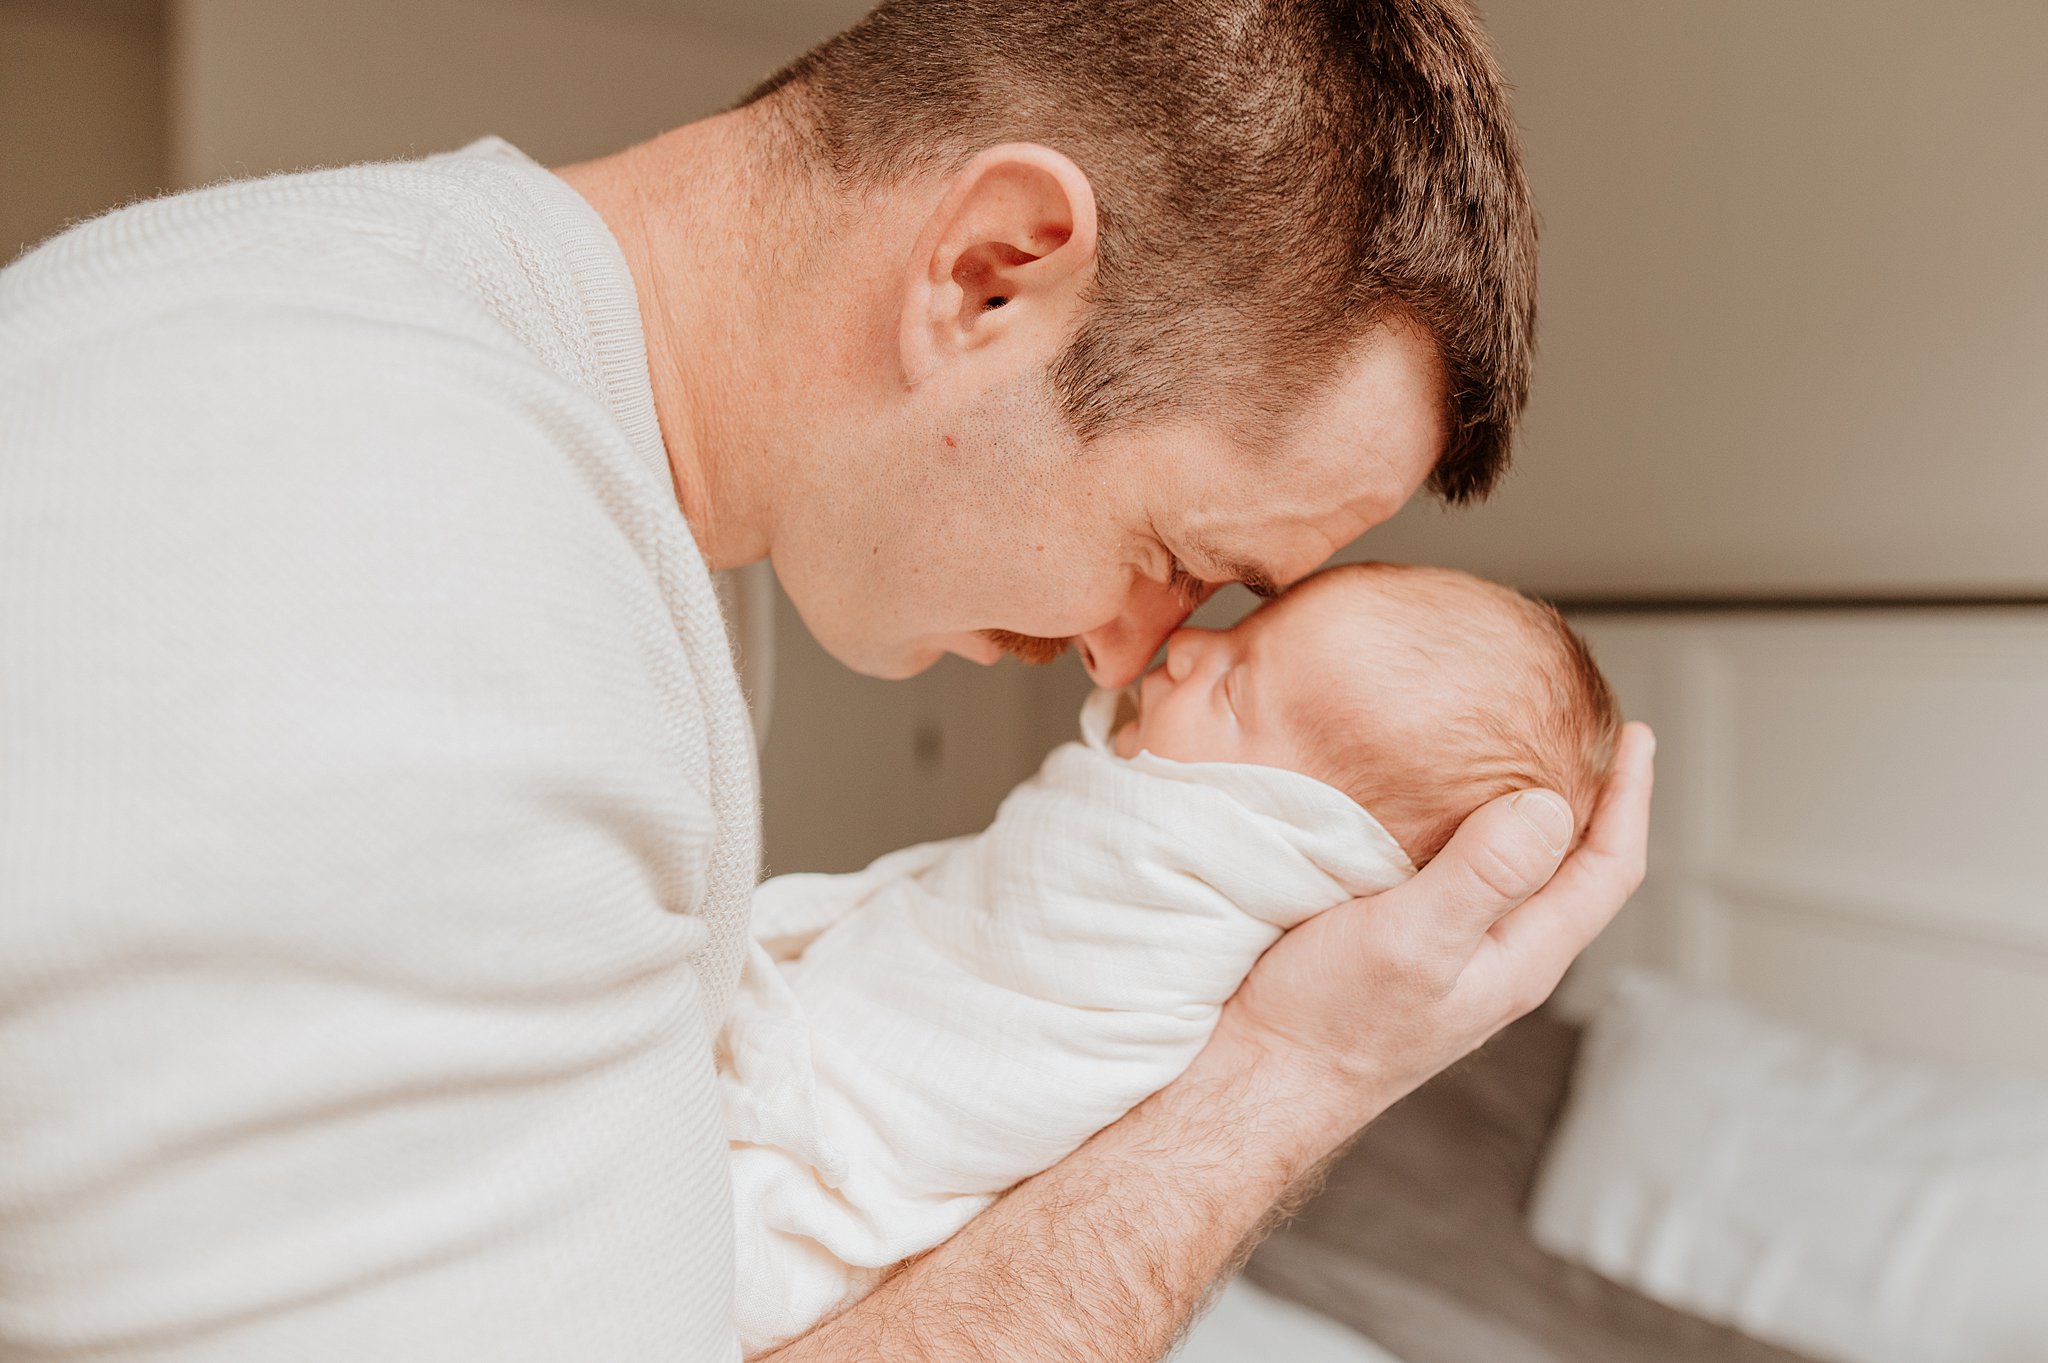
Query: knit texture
{"points": [[377, 799]]}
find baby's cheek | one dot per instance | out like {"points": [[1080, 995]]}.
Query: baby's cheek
{"points": [[1188, 737], [1265, 748]]}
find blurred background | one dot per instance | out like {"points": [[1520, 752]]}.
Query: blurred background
{"points": [[1791, 344], [1784, 462]]}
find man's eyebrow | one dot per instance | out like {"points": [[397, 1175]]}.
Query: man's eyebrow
{"points": [[1255, 579]]}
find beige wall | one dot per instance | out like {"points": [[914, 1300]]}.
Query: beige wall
{"points": [[855, 767], [1795, 279], [268, 85], [81, 112], [1846, 820]]}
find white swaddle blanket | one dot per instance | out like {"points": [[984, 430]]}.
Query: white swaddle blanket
{"points": [[912, 1039]]}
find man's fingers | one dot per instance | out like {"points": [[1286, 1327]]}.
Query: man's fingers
{"points": [[1621, 822], [1503, 853], [1608, 866], [1543, 935]]}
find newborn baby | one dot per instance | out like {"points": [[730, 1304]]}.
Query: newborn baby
{"points": [[910, 1040]]}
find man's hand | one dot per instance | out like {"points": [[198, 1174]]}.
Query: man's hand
{"points": [[1360, 1005]]}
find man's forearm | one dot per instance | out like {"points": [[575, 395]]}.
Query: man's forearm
{"points": [[1103, 1257]]}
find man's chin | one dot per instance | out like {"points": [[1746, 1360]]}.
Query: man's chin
{"points": [[884, 664], [903, 667]]}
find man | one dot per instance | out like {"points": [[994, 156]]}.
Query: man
{"points": [[377, 813]]}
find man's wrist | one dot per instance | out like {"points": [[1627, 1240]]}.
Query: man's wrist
{"points": [[1295, 1111]]}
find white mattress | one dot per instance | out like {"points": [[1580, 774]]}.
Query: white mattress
{"points": [[1248, 1325]]}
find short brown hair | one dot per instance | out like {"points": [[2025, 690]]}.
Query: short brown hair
{"points": [[1507, 695], [1273, 178]]}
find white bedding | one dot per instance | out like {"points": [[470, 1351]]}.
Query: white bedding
{"points": [[1248, 1325], [1855, 1208]]}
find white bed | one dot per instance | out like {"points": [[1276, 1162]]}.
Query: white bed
{"points": [[1250, 1325]]}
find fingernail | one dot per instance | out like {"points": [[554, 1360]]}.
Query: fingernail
{"points": [[1549, 816]]}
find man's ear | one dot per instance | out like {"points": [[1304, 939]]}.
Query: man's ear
{"points": [[1006, 254]]}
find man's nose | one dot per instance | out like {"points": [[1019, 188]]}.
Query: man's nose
{"points": [[1116, 653]]}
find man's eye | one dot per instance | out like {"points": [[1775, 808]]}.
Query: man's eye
{"points": [[1191, 590]]}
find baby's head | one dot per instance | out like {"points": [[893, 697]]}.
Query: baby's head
{"points": [[1422, 693]]}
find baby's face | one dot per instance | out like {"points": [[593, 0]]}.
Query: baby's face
{"points": [[1234, 695], [1421, 693]]}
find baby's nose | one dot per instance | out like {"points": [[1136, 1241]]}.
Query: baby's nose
{"points": [[1184, 648]]}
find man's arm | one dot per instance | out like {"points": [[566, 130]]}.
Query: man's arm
{"points": [[1106, 1254]]}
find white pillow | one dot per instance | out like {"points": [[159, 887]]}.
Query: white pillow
{"points": [[1850, 1207]]}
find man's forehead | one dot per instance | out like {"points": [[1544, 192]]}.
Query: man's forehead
{"points": [[1347, 462], [1270, 536]]}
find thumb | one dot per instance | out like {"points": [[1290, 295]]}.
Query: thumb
{"points": [[1505, 851]]}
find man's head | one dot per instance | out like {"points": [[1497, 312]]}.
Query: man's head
{"points": [[1420, 692], [1251, 271]]}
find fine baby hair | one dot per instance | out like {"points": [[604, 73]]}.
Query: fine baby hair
{"points": [[1438, 691]]}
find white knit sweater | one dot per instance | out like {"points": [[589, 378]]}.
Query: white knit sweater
{"points": [[377, 803]]}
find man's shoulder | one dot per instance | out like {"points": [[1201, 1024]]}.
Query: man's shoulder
{"points": [[446, 244], [306, 387], [291, 309], [330, 343]]}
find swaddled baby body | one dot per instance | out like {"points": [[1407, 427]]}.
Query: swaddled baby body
{"points": [[912, 1039]]}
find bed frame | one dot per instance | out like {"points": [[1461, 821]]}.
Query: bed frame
{"points": [[1851, 822]]}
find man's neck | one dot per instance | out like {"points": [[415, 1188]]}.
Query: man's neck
{"points": [[704, 215]]}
